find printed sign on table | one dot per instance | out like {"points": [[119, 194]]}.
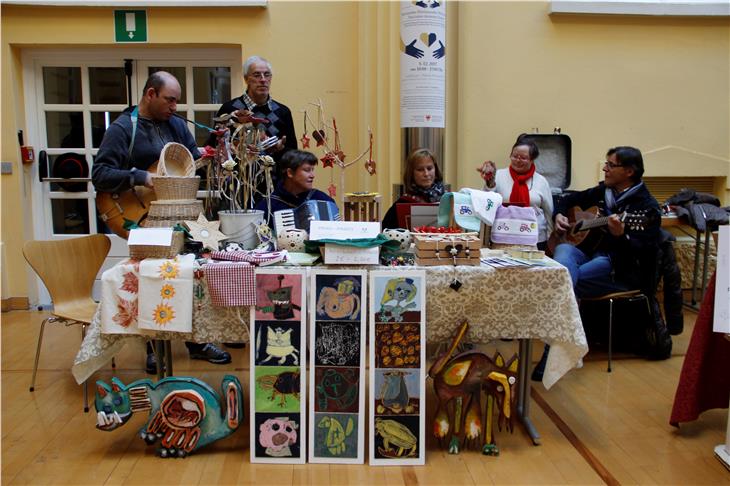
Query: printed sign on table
{"points": [[278, 376], [337, 366], [397, 368]]}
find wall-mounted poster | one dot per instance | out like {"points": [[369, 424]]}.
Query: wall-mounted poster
{"points": [[397, 367], [337, 366], [278, 371]]}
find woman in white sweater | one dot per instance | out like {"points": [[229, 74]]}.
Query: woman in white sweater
{"points": [[520, 184]]}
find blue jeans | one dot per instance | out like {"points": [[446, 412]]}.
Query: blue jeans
{"points": [[591, 275]]}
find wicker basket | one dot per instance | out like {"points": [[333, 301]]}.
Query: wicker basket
{"points": [[175, 160], [175, 187], [138, 252]]}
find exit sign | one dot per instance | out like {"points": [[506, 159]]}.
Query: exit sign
{"points": [[130, 26]]}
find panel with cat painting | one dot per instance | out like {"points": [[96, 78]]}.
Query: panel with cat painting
{"points": [[278, 391]]}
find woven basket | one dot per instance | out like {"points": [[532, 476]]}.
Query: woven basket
{"points": [[175, 160], [188, 209], [175, 187], [139, 252]]}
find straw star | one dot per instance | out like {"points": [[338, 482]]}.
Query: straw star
{"points": [[206, 232]]}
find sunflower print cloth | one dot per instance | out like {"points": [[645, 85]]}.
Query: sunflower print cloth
{"points": [[166, 294], [119, 289]]}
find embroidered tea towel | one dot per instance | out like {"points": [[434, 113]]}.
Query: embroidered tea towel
{"points": [[515, 225], [166, 290], [458, 204], [230, 283], [119, 287], [484, 204]]}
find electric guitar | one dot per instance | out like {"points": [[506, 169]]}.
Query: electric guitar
{"points": [[132, 204], [586, 228]]}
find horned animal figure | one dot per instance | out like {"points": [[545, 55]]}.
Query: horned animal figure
{"points": [[185, 414], [460, 382]]}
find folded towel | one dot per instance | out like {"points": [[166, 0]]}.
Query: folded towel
{"points": [[230, 283], [166, 287]]}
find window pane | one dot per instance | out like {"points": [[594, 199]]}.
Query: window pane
{"points": [[62, 84], [179, 73], [100, 121], [204, 118], [107, 85], [68, 165], [70, 216], [65, 129], [212, 84]]}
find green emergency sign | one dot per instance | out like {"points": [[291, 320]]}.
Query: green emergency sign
{"points": [[130, 26]]}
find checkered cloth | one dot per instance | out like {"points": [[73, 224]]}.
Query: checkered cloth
{"points": [[251, 256], [230, 283]]}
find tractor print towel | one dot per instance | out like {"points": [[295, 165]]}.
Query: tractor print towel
{"points": [[119, 289], [166, 290]]}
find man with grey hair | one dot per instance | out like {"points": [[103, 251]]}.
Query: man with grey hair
{"points": [[257, 101]]}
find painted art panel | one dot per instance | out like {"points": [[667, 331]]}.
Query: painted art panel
{"points": [[397, 416], [278, 384], [277, 436], [338, 316], [279, 296], [335, 435], [277, 343], [337, 343]]}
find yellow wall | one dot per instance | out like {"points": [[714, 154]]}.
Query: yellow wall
{"points": [[605, 80]]}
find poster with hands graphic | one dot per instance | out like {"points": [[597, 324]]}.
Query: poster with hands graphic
{"points": [[423, 63]]}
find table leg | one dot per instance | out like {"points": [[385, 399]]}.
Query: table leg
{"points": [[525, 389], [168, 358], [160, 352]]}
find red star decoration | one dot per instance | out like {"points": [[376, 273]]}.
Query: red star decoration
{"points": [[305, 141], [328, 160], [332, 190]]}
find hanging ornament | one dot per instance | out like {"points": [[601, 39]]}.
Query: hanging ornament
{"points": [[332, 190]]}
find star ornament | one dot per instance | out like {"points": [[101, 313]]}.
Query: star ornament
{"points": [[206, 232]]}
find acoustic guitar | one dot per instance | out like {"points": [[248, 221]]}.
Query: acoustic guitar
{"points": [[132, 204], [586, 228]]}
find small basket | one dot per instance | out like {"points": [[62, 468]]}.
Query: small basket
{"points": [[175, 187], [176, 160], [138, 252]]}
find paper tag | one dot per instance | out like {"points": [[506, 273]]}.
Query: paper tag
{"points": [[150, 236], [343, 230]]}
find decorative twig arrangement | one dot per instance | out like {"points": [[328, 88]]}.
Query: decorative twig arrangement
{"points": [[240, 163], [333, 154]]}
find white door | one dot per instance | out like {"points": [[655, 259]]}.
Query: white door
{"points": [[72, 97]]}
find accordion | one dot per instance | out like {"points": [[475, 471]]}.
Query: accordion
{"points": [[299, 218]]}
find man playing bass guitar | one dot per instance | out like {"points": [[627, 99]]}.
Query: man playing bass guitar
{"points": [[131, 145]]}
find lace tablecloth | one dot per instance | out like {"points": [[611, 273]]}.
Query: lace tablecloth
{"points": [[516, 302]]}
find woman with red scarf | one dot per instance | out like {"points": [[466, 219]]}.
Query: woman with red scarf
{"points": [[519, 184]]}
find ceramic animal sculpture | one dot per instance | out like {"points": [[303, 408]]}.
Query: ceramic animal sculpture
{"points": [[340, 302], [266, 237], [282, 385], [394, 393], [278, 345], [185, 414], [277, 435], [402, 291], [395, 434], [336, 434], [461, 381]]}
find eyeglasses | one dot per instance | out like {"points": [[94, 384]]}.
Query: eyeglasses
{"points": [[519, 157], [261, 75], [170, 99], [611, 165]]}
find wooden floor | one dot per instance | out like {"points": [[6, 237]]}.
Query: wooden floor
{"points": [[620, 419]]}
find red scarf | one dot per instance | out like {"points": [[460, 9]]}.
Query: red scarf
{"points": [[520, 195]]}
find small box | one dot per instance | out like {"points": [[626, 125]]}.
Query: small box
{"points": [[447, 249], [335, 254]]}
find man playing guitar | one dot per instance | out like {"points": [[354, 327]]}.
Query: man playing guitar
{"points": [[626, 257], [131, 145]]}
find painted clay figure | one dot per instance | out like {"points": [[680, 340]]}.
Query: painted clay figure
{"points": [[185, 414]]}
